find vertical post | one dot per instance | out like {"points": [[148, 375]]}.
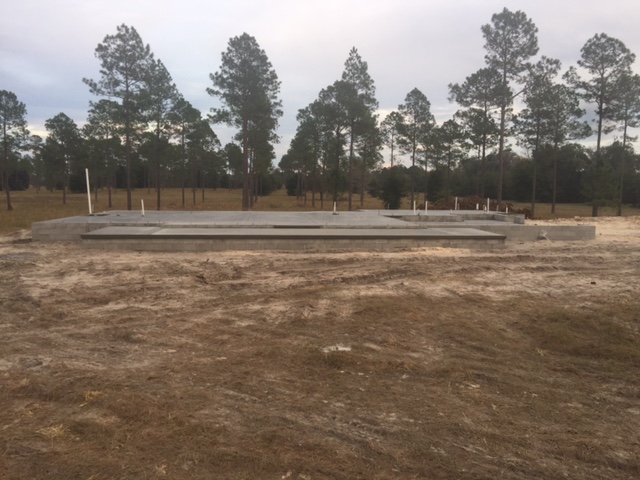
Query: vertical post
{"points": [[456, 204], [414, 207], [335, 208], [86, 171], [142, 203], [426, 206], [488, 205], [477, 206]]}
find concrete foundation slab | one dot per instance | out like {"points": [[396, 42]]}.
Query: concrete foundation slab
{"points": [[165, 230]]}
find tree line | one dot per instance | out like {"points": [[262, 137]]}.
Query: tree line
{"points": [[141, 132], [471, 153]]}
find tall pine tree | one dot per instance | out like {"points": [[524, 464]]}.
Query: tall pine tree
{"points": [[510, 41], [248, 87], [14, 131], [360, 107], [125, 61]]}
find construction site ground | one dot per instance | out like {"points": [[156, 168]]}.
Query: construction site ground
{"points": [[431, 363]]}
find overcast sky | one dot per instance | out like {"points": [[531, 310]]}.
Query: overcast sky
{"points": [[47, 46]]}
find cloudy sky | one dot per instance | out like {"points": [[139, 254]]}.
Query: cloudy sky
{"points": [[47, 46]]}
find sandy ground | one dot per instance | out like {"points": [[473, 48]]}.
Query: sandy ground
{"points": [[429, 363]]}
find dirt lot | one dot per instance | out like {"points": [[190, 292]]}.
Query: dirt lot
{"points": [[431, 363]]}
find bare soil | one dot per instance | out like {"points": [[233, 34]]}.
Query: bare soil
{"points": [[429, 363]]}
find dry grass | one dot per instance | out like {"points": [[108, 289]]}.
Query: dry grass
{"points": [[571, 210], [30, 206], [408, 365]]}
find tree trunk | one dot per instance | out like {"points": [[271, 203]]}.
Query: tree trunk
{"points": [[5, 169], [482, 165], [503, 121], [322, 187], [413, 164], [426, 186], [533, 187], [5, 185], [245, 164], [127, 146], [313, 187], [251, 180], [351, 140], [535, 171], [503, 114], [622, 161], [158, 180], [555, 178], [391, 146], [600, 114], [64, 184], [337, 178], [362, 180]]}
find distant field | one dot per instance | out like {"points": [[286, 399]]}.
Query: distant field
{"points": [[30, 206], [570, 210]]}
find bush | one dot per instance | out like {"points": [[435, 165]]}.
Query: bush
{"points": [[390, 185], [19, 180], [291, 185]]}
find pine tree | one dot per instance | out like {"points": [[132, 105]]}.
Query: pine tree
{"points": [[125, 62], [415, 125], [510, 41], [248, 87], [14, 132], [360, 106]]}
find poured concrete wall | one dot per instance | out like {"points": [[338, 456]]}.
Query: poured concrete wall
{"points": [[54, 231], [531, 233], [292, 244]]}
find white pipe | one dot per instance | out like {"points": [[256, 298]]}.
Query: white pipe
{"points": [[488, 205], [426, 206], [142, 203], [86, 171], [456, 204], [477, 206], [414, 207]]}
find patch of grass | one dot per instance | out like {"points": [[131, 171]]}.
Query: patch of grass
{"points": [[53, 432], [31, 206], [598, 335]]}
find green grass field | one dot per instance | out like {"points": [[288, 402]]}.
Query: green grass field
{"points": [[31, 206]]}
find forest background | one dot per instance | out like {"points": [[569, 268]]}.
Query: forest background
{"points": [[526, 128]]}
